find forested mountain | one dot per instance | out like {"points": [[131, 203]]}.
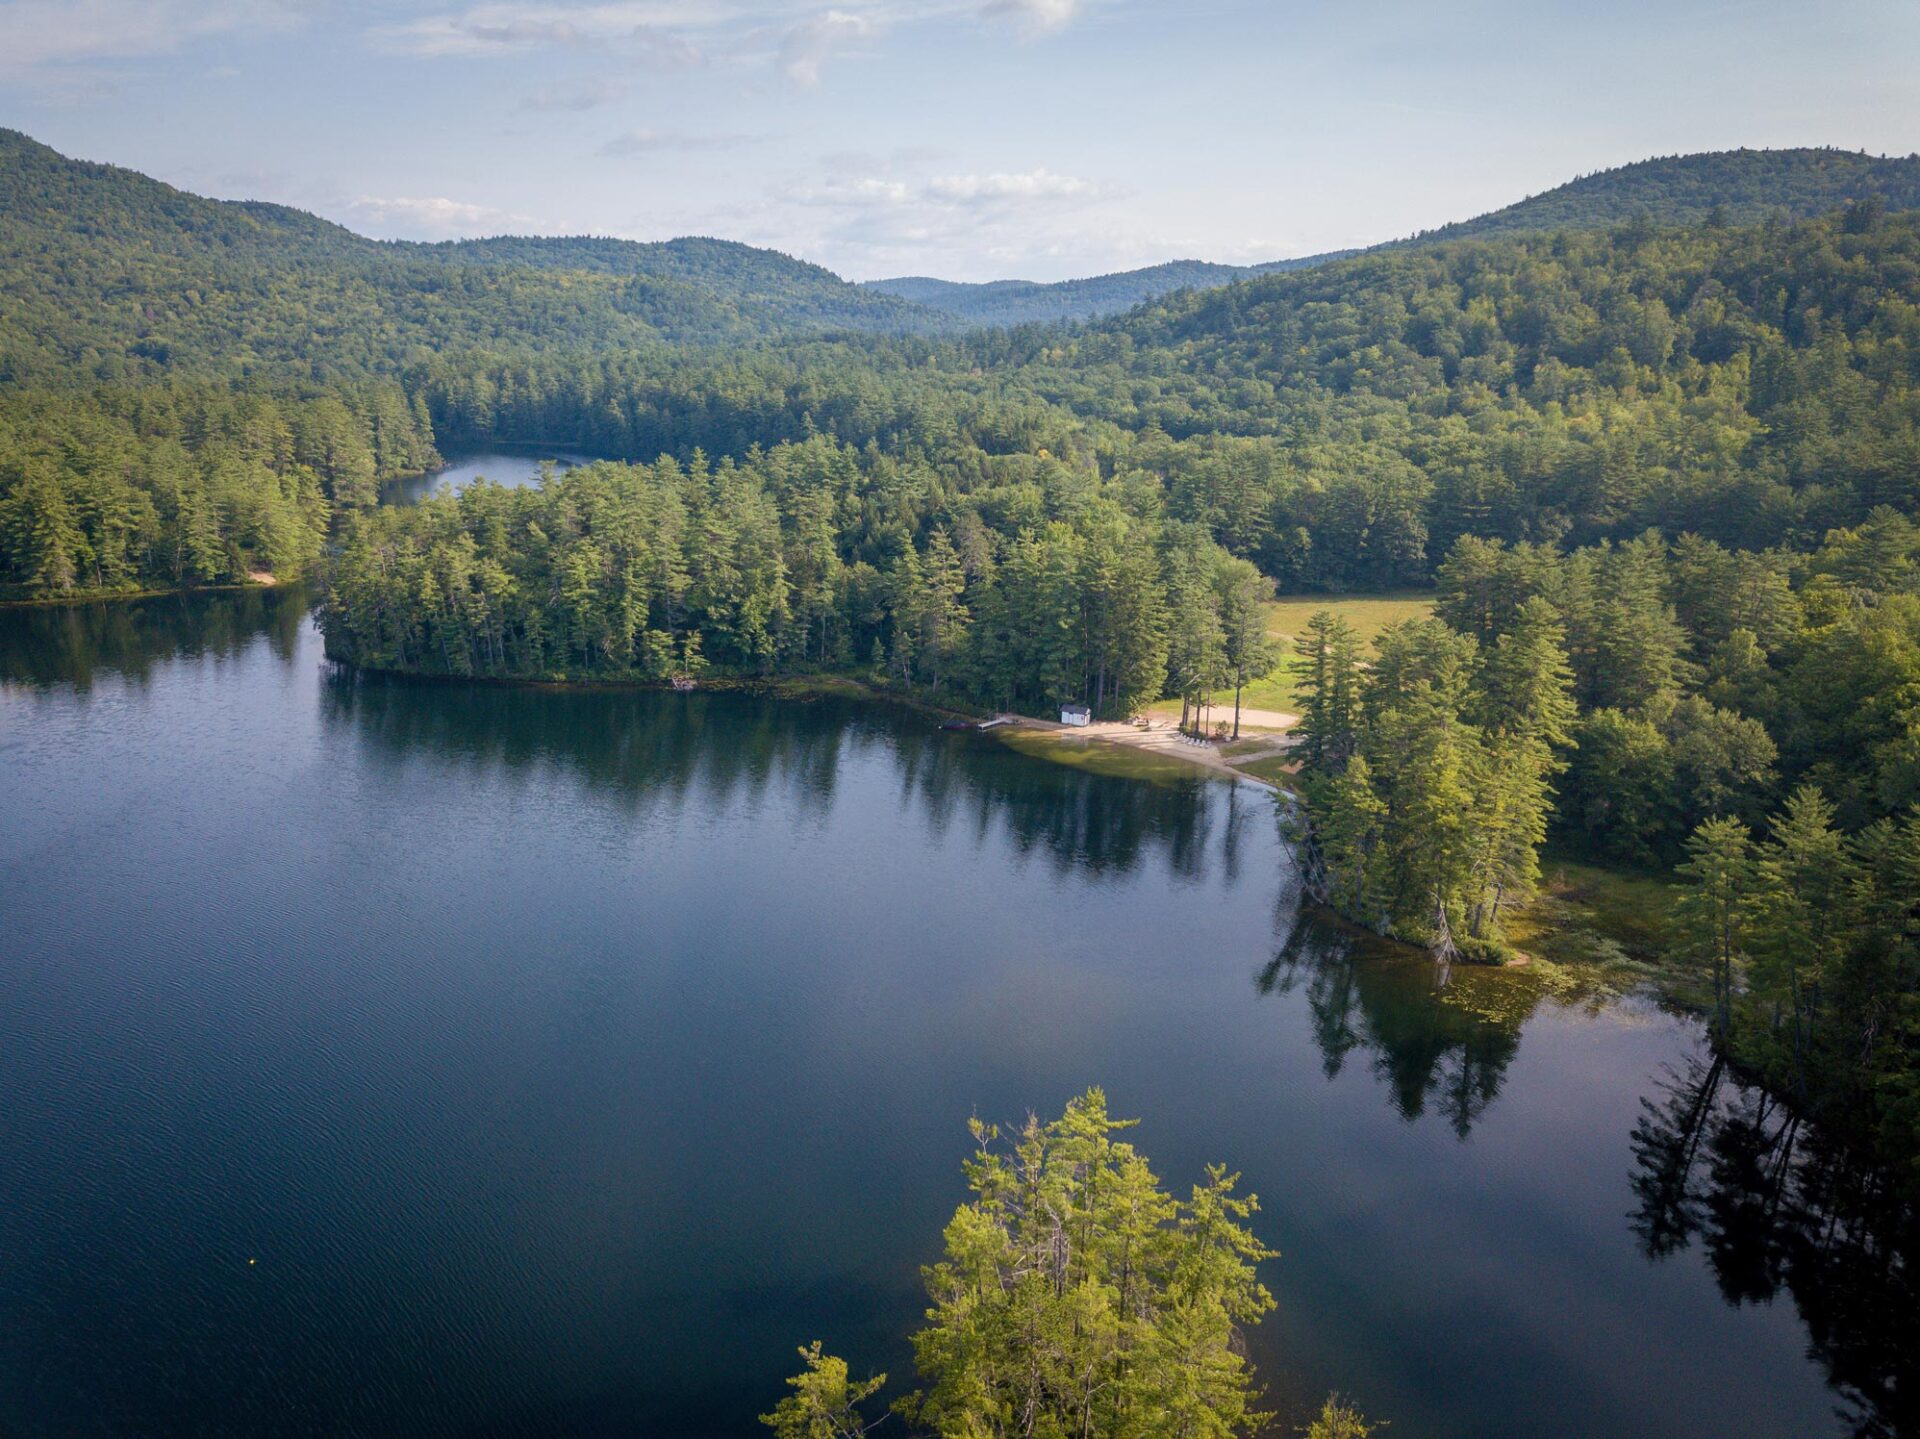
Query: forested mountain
{"points": [[1736, 186], [1024, 302], [112, 274], [1755, 385]]}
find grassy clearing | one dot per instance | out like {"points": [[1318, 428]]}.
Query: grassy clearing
{"points": [[1274, 769], [1287, 618]]}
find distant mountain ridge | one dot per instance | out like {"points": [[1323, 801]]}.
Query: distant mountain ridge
{"points": [[1744, 186], [1022, 302], [105, 271]]}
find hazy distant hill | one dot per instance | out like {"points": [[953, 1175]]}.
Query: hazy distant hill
{"points": [[1022, 302], [1744, 185]]}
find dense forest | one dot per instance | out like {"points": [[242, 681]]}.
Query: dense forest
{"points": [[106, 489], [1657, 447]]}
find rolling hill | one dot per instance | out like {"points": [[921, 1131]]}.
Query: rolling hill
{"points": [[1024, 302], [107, 271], [1742, 186], [1737, 186]]}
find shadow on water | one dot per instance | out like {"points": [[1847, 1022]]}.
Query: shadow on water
{"points": [[643, 748], [1779, 1209], [74, 645], [1428, 1045]]}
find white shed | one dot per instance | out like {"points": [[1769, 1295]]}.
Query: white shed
{"points": [[1075, 715]]}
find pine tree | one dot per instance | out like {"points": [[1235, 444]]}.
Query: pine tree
{"points": [[1712, 911], [1079, 1296], [823, 1405], [1328, 685]]}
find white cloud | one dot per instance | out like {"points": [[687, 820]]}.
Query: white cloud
{"points": [[649, 142], [882, 220], [577, 95], [1036, 17], [660, 49], [1041, 184], [808, 46], [677, 34], [434, 217], [38, 33], [646, 27]]}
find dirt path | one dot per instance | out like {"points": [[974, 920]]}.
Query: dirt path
{"points": [[1168, 711]]}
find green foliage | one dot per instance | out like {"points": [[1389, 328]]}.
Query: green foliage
{"points": [[161, 487], [1077, 1297], [1032, 586], [823, 1404], [1725, 187], [1026, 302], [1429, 799], [115, 275], [1339, 1420], [1734, 186]]}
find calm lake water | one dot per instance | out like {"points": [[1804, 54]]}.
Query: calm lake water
{"points": [[417, 1060], [512, 468]]}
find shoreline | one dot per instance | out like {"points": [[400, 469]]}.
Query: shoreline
{"points": [[103, 597], [1153, 739]]}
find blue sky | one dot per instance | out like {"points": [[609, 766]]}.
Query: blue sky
{"points": [[972, 139]]}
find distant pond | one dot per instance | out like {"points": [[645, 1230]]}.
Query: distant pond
{"points": [[439, 1060], [513, 467]]}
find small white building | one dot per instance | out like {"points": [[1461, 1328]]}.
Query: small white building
{"points": [[1075, 715]]}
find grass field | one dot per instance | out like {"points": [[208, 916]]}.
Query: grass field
{"points": [[1287, 617]]}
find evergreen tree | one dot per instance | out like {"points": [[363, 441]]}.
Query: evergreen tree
{"points": [[1712, 911], [1077, 1297]]}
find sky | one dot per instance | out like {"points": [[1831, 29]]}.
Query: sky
{"points": [[968, 139]]}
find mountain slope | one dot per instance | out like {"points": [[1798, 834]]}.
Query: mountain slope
{"points": [[109, 271], [1742, 185]]}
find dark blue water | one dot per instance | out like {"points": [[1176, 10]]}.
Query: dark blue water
{"points": [[387, 1059]]}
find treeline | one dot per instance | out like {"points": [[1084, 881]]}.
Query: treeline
{"points": [[1713, 681], [1018, 580], [108, 490], [1344, 427], [1698, 681]]}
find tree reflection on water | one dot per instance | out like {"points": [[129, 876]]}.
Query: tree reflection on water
{"points": [[1428, 1048], [1779, 1207]]}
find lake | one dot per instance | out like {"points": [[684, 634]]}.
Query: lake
{"points": [[405, 1059], [513, 468]]}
